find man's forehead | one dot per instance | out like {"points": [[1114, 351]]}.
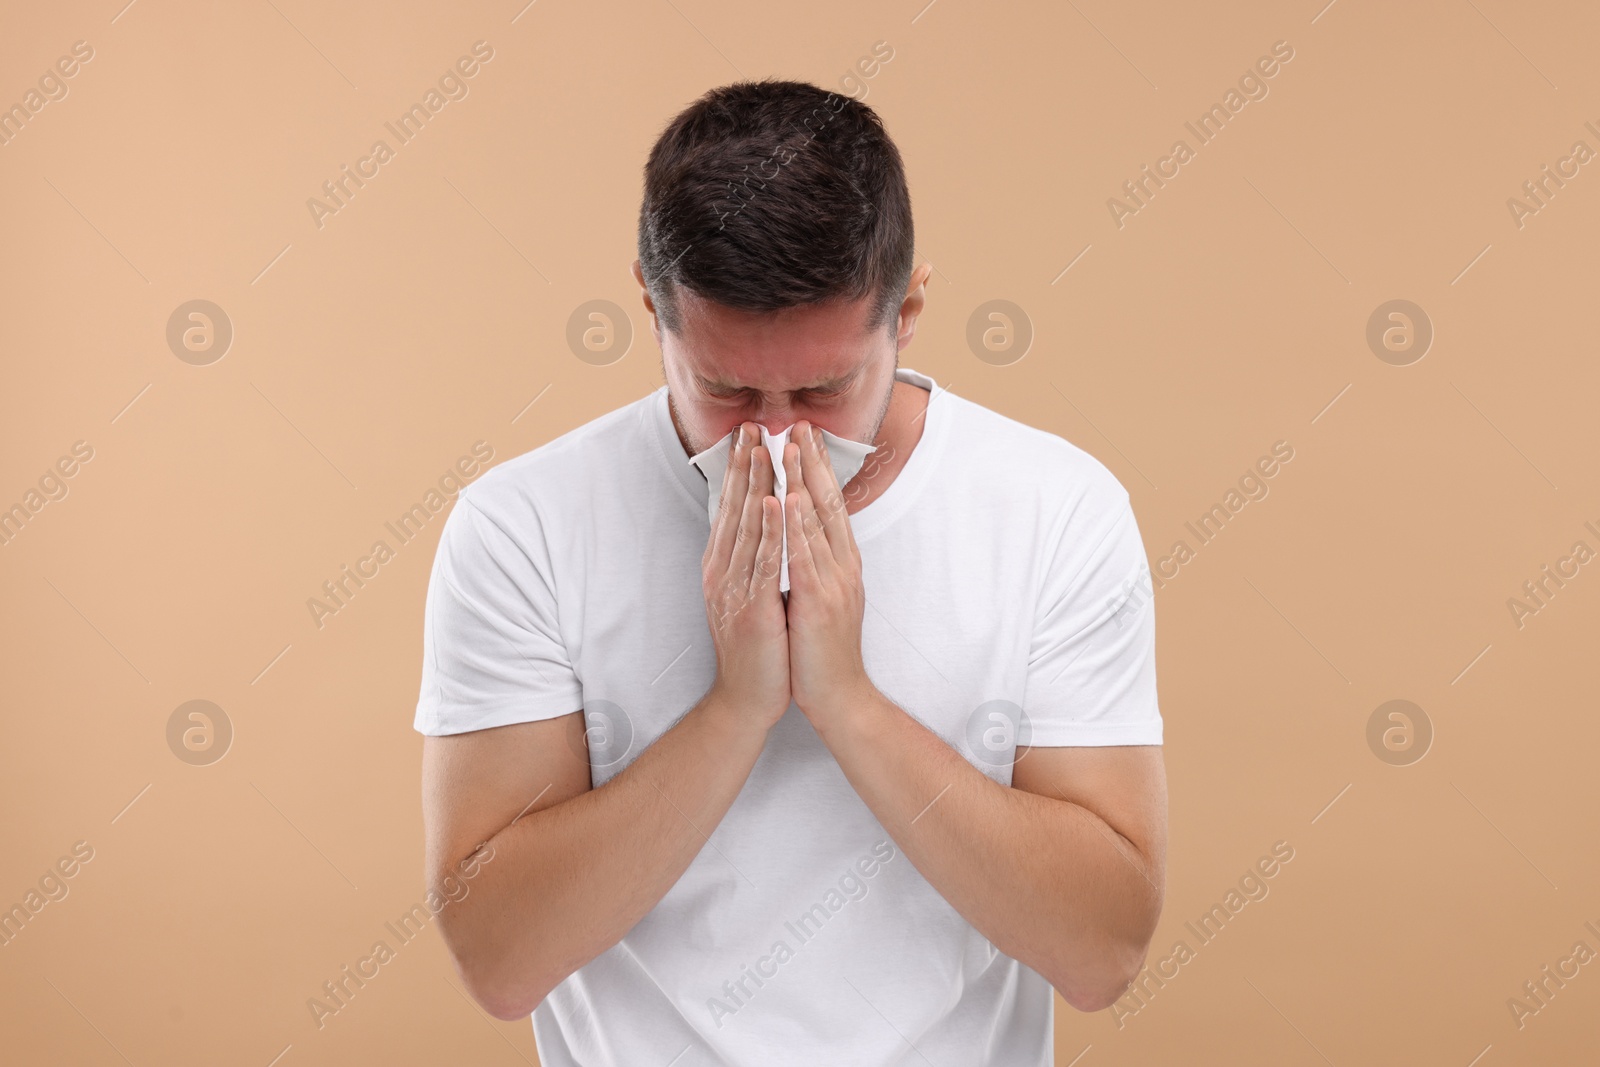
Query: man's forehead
{"points": [[811, 347]]}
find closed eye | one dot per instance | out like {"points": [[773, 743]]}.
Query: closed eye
{"points": [[808, 394]]}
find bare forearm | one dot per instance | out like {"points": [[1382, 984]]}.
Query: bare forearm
{"points": [[1047, 881], [568, 881]]}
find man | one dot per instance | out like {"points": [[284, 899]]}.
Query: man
{"points": [[869, 822]]}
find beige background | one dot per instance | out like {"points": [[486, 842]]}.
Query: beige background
{"points": [[369, 354]]}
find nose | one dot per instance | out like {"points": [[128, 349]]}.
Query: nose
{"points": [[774, 423], [775, 418]]}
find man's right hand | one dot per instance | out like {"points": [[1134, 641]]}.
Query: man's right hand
{"points": [[578, 866], [739, 577]]}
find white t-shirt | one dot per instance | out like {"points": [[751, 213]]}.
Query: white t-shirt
{"points": [[1003, 568]]}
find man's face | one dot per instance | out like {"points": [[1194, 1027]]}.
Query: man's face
{"points": [[817, 362]]}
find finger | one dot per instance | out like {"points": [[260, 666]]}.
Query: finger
{"points": [[748, 539], [825, 494], [730, 508], [758, 486], [769, 559], [803, 573], [804, 523], [766, 476]]}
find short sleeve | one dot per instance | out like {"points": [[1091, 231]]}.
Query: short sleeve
{"points": [[492, 652], [1091, 676]]}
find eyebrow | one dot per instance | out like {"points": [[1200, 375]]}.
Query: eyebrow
{"points": [[824, 386]]}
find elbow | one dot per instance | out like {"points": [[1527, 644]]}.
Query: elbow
{"points": [[492, 984], [504, 1001], [1089, 998], [1115, 966], [506, 1008], [1100, 987], [508, 1001], [495, 1001]]}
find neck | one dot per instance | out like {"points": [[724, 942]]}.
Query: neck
{"points": [[897, 436]]}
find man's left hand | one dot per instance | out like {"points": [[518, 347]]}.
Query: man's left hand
{"points": [[827, 675]]}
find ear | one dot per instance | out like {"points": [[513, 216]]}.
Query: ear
{"points": [[649, 304], [912, 305]]}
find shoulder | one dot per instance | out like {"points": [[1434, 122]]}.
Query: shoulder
{"points": [[1063, 481], [1060, 505], [551, 476]]}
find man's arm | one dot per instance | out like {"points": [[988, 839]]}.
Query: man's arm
{"points": [[574, 868], [1065, 871]]}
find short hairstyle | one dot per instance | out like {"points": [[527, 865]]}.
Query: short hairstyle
{"points": [[773, 194]]}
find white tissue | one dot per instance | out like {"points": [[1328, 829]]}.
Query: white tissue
{"points": [[846, 457]]}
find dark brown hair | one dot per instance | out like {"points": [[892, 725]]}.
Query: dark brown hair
{"points": [[772, 194]]}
